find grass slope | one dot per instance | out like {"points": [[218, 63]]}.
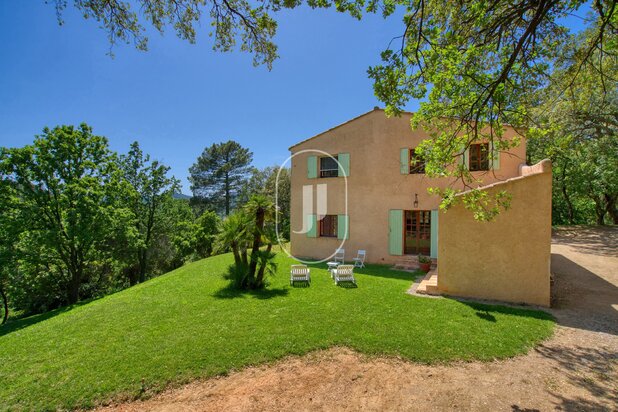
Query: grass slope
{"points": [[188, 324]]}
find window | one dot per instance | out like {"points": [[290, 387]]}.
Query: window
{"points": [[417, 164], [329, 166], [328, 226], [478, 158]]}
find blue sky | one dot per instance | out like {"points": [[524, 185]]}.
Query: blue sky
{"points": [[178, 98]]}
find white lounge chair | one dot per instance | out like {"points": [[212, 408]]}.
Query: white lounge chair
{"points": [[300, 273], [359, 260], [344, 273], [339, 256]]}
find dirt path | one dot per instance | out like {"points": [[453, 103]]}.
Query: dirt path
{"points": [[575, 370]]}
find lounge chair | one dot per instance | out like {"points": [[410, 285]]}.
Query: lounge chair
{"points": [[300, 273], [359, 260], [344, 273], [339, 256]]}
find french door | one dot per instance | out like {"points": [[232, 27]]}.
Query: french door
{"points": [[417, 232]]}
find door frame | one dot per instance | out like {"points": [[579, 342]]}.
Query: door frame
{"points": [[428, 230]]}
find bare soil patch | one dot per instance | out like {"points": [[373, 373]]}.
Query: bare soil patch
{"points": [[577, 369]]}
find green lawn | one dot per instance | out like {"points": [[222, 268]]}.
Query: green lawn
{"points": [[188, 324]]}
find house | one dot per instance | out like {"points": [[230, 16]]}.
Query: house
{"points": [[374, 198]]}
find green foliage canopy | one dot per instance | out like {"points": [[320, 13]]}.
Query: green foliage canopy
{"points": [[274, 182], [150, 188], [576, 126], [63, 186], [475, 66], [219, 173], [80, 221]]}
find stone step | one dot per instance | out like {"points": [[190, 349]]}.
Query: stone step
{"points": [[429, 284]]}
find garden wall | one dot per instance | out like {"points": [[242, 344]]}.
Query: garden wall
{"points": [[507, 259]]}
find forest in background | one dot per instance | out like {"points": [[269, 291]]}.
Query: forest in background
{"points": [[80, 221]]}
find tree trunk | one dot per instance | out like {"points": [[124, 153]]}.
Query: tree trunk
{"points": [[257, 241], [142, 262], [74, 284], [133, 275], [567, 199], [236, 253], [5, 305], [263, 262], [245, 261], [612, 207], [143, 254], [75, 268], [600, 211], [227, 194]]}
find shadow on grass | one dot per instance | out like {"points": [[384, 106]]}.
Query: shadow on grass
{"points": [[486, 311], [300, 284], [383, 271], [14, 325], [231, 292], [347, 285], [486, 315]]}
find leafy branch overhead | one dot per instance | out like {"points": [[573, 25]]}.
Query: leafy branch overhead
{"points": [[477, 55], [475, 66], [474, 61]]}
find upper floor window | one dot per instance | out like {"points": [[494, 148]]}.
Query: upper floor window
{"points": [[329, 166], [328, 226], [478, 158], [417, 164]]}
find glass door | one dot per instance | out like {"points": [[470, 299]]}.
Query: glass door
{"points": [[417, 232]]}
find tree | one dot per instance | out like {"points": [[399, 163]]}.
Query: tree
{"points": [[255, 183], [232, 21], [60, 182], [279, 189], [250, 227], [473, 65], [8, 231], [576, 126], [274, 183], [177, 244], [476, 67], [499, 24], [206, 229], [151, 187], [218, 174]]}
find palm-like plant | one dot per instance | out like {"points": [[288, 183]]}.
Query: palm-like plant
{"points": [[250, 227], [233, 234]]}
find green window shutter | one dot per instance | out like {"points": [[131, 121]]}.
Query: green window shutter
{"points": [[395, 232], [404, 161], [343, 230], [312, 167], [344, 164], [433, 251], [312, 225], [495, 153]]}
